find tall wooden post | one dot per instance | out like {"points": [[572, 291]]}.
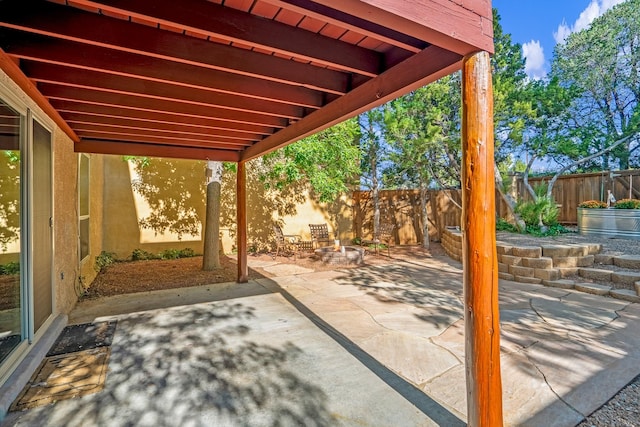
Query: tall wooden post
{"points": [[241, 222], [482, 327]]}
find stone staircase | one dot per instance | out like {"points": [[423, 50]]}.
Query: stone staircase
{"points": [[568, 266]]}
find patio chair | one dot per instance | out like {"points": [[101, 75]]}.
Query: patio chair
{"points": [[320, 234], [384, 236], [284, 242]]}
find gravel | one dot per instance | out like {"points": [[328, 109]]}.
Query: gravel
{"points": [[622, 410]]}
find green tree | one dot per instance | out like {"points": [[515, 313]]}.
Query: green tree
{"points": [[602, 64], [326, 163]]}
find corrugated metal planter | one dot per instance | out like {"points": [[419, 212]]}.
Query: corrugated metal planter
{"points": [[609, 222]]}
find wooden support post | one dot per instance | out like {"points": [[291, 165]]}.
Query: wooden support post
{"points": [[241, 221], [482, 328]]}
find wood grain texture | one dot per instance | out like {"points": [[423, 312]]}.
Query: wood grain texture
{"points": [[241, 194], [480, 278]]}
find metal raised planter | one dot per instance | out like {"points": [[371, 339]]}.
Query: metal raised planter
{"points": [[609, 222]]}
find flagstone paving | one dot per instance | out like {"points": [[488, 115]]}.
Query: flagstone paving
{"points": [[376, 346]]}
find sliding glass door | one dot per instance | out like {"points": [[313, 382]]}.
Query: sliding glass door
{"points": [[11, 286]]}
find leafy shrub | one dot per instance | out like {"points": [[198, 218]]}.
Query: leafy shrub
{"points": [[10, 268], [104, 260], [503, 225], [553, 230], [533, 213], [627, 204], [140, 254], [187, 253], [170, 254], [592, 204]]}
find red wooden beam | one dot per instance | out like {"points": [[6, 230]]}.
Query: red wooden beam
{"points": [[353, 23], [462, 26], [75, 119], [13, 71], [104, 132], [68, 76], [480, 278], [99, 30], [236, 26], [422, 68], [241, 222], [153, 150], [116, 111], [43, 49], [119, 99]]}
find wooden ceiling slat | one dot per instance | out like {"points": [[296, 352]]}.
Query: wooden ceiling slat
{"points": [[89, 145], [52, 91], [419, 70], [98, 131], [129, 123], [311, 9], [62, 52], [56, 74], [234, 25], [65, 106], [74, 25]]}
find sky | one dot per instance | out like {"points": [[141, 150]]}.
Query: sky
{"points": [[538, 25]]}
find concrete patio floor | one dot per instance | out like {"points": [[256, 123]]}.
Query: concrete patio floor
{"points": [[374, 346]]}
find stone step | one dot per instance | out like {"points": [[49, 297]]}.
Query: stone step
{"points": [[593, 288], [596, 274], [627, 261], [625, 294], [625, 277], [562, 283]]}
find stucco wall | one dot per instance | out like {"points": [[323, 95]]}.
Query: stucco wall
{"points": [[65, 222], [183, 182]]}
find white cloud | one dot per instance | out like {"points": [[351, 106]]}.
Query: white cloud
{"points": [[595, 9], [534, 64]]}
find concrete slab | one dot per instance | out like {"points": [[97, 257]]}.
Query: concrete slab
{"points": [[249, 361]]}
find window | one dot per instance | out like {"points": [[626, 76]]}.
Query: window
{"points": [[83, 208]]}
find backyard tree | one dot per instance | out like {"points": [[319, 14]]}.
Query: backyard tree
{"points": [[327, 163], [372, 150], [602, 64], [422, 132]]}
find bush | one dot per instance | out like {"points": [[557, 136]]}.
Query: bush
{"points": [[503, 225], [593, 204], [553, 230], [140, 254], [187, 253], [10, 268], [104, 260], [627, 204], [544, 209]]}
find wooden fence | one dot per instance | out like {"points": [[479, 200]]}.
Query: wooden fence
{"points": [[571, 190], [402, 209]]}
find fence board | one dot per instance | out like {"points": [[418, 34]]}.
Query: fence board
{"points": [[570, 190]]}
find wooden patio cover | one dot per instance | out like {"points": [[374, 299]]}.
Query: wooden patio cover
{"points": [[231, 80]]}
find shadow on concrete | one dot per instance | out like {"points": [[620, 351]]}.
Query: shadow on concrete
{"points": [[438, 413], [193, 365]]}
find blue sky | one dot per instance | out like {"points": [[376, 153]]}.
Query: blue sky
{"points": [[538, 25]]}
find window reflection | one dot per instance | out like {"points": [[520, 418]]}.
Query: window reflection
{"points": [[10, 287]]}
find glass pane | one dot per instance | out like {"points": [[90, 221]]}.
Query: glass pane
{"points": [[84, 238], [10, 314], [84, 185]]}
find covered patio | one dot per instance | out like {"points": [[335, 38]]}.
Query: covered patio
{"points": [[232, 80]]}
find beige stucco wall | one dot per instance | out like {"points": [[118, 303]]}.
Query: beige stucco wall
{"points": [[124, 208], [65, 222]]}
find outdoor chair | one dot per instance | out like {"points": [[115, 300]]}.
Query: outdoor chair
{"points": [[384, 236], [320, 234], [286, 242]]}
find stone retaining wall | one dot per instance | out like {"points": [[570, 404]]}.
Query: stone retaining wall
{"points": [[550, 265]]}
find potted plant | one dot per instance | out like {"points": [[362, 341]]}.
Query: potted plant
{"points": [[619, 219]]}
